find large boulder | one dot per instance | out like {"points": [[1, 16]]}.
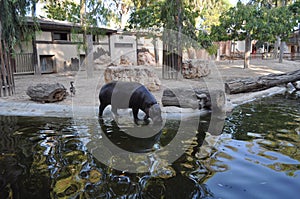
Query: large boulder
{"points": [[102, 60], [194, 98], [195, 68], [47, 92], [145, 57], [139, 74]]}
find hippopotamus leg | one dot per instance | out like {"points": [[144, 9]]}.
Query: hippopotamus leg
{"points": [[101, 109], [146, 117], [135, 112]]}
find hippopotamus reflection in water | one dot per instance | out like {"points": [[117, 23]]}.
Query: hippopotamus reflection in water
{"points": [[121, 95]]}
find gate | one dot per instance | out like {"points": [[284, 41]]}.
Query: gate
{"points": [[23, 63], [172, 55]]}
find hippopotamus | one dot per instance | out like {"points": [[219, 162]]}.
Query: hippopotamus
{"points": [[121, 95]]}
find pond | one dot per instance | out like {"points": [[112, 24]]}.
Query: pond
{"points": [[256, 156]]}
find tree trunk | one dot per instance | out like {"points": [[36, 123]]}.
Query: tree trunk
{"points": [[179, 38], [156, 55], [260, 83], [87, 41], [37, 68], [3, 72], [247, 51], [276, 45], [89, 56], [281, 52]]}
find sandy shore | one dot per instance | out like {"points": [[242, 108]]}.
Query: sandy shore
{"points": [[87, 89]]}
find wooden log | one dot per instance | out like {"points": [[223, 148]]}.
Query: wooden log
{"points": [[260, 83]]}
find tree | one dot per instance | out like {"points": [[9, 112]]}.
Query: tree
{"points": [[121, 12], [239, 23], [283, 23], [96, 12], [252, 21], [89, 13], [33, 41], [210, 12], [12, 31], [66, 10], [176, 18], [284, 13]]}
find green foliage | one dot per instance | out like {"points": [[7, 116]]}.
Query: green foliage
{"points": [[212, 49], [63, 10], [281, 22], [295, 10], [154, 15], [210, 12], [258, 21], [148, 17], [164, 15], [204, 39], [12, 20], [68, 10]]}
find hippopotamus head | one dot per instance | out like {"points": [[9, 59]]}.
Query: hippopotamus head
{"points": [[155, 113]]}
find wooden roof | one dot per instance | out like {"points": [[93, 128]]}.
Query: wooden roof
{"points": [[51, 24]]}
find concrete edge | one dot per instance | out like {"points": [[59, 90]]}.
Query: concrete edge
{"points": [[68, 111]]}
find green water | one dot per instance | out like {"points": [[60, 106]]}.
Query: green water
{"points": [[257, 156]]}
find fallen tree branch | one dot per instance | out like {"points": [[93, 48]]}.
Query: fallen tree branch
{"points": [[260, 83]]}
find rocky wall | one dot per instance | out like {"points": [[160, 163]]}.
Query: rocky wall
{"points": [[141, 74]]}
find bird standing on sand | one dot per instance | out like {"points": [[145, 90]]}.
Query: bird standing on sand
{"points": [[72, 88]]}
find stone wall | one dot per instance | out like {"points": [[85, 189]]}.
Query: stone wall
{"points": [[141, 74]]}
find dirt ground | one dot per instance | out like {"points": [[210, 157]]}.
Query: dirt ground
{"points": [[87, 89]]}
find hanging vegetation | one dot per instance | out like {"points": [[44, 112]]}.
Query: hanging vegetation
{"points": [[11, 31]]}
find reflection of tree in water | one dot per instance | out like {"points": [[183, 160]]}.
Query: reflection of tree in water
{"points": [[50, 160], [269, 126], [16, 178]]}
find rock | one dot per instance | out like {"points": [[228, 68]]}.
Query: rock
{"points": [[297, 85], [103, 60], [124, 60], [186, 98], [145, 57], [195, 98], [290, 88], [297, 94], [208, 146], [180, 97], [47, 92], [140, 74], [195, 68]]}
